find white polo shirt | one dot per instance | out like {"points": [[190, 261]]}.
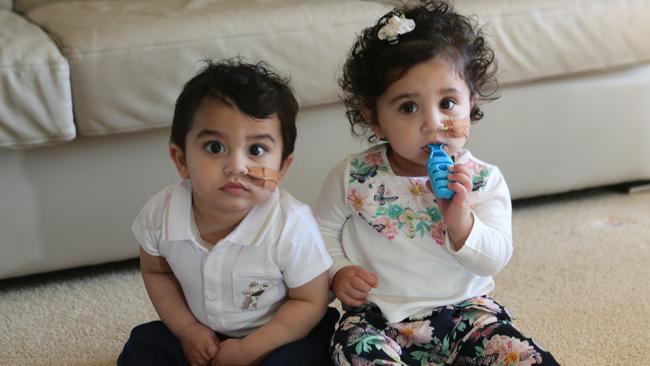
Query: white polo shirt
{"points": [[238, 285]]}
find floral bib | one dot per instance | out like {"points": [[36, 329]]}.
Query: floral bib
{"points": [[395, 205]]}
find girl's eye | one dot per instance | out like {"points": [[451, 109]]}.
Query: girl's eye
{"points": [[257, 150], [214, 147], [408, 107], [447, 104]]}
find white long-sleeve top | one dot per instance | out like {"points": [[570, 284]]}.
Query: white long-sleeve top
{"points": [[391, 225]]}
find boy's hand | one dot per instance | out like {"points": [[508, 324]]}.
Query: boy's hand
{"points": [[456, 211], [230, 354], [200, 344], [351, 285]]}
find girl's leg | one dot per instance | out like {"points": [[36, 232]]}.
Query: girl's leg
{"points": [[485, 335], [361, 336], [478, 331], [501, 343], [152, 344], [311, 350]]}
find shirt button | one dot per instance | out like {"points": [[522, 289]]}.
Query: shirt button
{"points": [[212, 295]]}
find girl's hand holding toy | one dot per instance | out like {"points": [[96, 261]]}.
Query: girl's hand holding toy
{"points": [[451, 184]]}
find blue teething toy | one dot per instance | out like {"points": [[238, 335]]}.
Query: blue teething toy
{"points": [[438, 168]]}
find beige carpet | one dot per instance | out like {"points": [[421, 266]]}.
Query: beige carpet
{"points": [[579, 283]]}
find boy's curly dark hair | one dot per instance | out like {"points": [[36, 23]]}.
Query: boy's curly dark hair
{"points": [[253, 88], [374, 64]]}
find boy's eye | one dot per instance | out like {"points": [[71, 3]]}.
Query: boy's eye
{"points": [[257, 150], [214, 147], [408, 107], [447, 104]]}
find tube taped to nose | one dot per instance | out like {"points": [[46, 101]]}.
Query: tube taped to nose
{"points": [[269, 177], [455, 128]]}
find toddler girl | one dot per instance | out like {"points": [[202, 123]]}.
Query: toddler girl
{"points": [[414, 271]]}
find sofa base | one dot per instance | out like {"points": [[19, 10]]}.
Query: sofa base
{"points": [[72, 205], [566, 134]]}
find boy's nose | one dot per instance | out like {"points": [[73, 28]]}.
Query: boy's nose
{"points": [[235, 165]]}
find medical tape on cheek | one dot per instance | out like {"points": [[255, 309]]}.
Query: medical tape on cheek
{"points": [[455, 128], [269, 177]]}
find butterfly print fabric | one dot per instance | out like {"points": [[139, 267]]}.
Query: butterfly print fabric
{"points": [[395, 205]]}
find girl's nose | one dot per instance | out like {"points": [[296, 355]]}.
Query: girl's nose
{"points": [[235, 165], [432, 122]]}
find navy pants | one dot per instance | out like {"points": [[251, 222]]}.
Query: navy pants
{"points": [[154, 344]]}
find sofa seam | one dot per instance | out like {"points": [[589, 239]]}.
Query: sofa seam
{"points": [[560, 8], [71, 51]]}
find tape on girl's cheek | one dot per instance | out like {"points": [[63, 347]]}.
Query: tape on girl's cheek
{"points": [[456, 128]]}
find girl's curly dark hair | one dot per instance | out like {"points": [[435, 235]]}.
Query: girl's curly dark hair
{"points": [[373, 64]]}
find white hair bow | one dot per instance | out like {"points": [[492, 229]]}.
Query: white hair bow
{"points": [[394, 27]]}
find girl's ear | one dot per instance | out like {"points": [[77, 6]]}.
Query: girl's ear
{"points": [[178, 157], [473, 99], [370, 119]]}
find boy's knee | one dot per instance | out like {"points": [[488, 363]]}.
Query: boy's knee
{"points": [[311, 350], [146, 332], [151, 344], [328, 323], [332, 315], [144, 337]]}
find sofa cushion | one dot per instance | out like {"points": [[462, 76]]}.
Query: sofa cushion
{"points": [[22, 6], [129, 59], [536, 39], [5, 4], [36, 105]]}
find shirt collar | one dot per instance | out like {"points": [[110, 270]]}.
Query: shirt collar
{"points": [[251, 231]]}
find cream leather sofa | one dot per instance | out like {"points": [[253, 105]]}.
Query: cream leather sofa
{"points": [[87, 93]]}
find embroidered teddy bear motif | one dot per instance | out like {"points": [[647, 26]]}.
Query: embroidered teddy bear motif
{"points": [[253, 292]]}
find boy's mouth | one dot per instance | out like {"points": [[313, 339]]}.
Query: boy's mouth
{"points": [[234, 187]]}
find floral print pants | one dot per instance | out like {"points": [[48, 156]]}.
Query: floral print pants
{"points": [[475, 332]]}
